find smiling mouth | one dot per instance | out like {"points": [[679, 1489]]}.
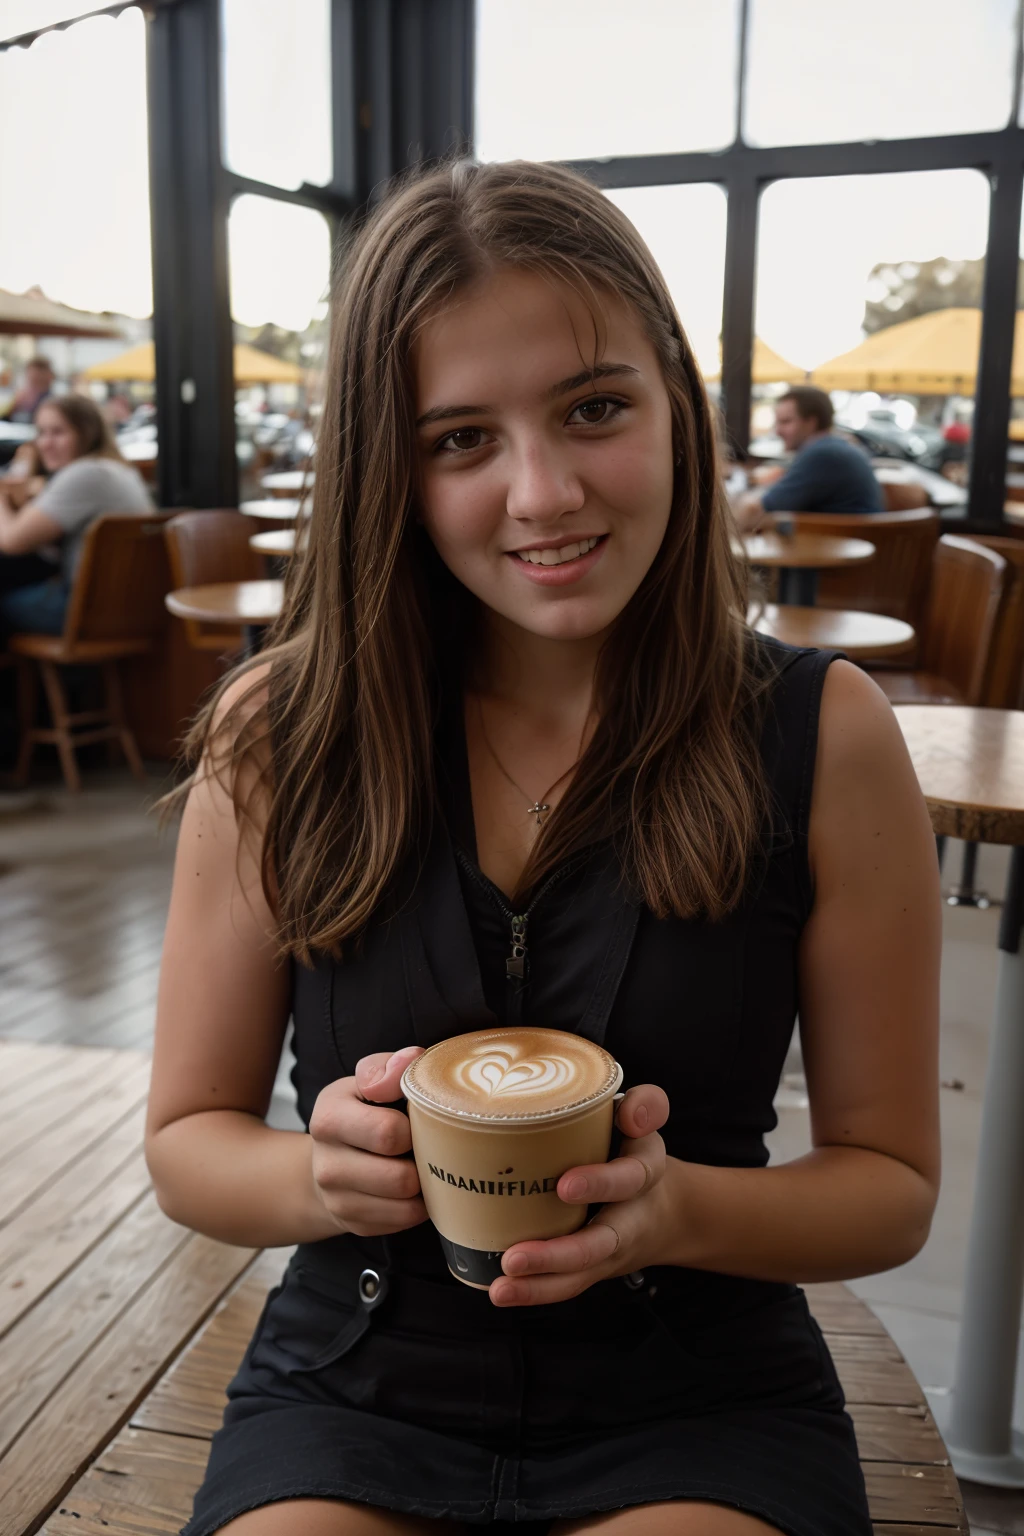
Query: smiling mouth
{"points": [[560, 556]]}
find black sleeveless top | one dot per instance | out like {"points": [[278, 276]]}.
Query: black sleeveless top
{"points": [[417, 1394], [704, 1009]]}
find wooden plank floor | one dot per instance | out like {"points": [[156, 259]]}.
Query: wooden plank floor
{"points": [[84, 886]]}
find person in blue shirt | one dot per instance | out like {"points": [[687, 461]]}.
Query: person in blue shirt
{"points": [[828, 473]]}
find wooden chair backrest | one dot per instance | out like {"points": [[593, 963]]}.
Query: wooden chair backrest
{"points": [[1004, 683], [903, 495], [118, 591], [896, 581], [963, 604], [211, 546]]}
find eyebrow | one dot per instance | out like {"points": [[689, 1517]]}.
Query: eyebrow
{"points": [[565, 387]]}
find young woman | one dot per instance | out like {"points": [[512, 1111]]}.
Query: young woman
{"points": [[513, 678], [41, 541]]}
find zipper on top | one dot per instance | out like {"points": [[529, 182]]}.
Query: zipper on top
{"points": [[517, 960]]}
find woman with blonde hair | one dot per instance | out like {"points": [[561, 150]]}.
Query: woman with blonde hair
{"points": [[513, 682], [41, 541]]}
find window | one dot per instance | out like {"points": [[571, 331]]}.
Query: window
{"points": [[882, 69], [280, 260], [684, 226], [584, 79], [900, 291], [275, 62]]}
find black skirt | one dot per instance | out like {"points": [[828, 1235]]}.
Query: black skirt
{"points": [[423, 1398]]}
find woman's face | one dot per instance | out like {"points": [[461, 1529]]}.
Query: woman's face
{"points": [[56, 440], [546, 482]]}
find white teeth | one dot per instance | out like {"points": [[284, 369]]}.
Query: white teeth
{"points": [[557, 556]]}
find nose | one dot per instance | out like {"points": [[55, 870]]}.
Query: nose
{"points": [[543, 484]]}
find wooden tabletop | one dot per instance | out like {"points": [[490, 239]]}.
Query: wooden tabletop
{"points": [[274, 541], [970, 765], [288, 482], [228, 602], [119, 1330], [863, 636], [805, 551], [281, 508]]}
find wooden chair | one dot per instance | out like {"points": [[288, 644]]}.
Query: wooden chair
{"points": [[114, 613], [896, 581], [212, 546], [960, 625], [903, 495], [1004, 685]]}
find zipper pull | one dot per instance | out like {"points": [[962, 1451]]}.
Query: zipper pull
{"points": [[515, 965]]}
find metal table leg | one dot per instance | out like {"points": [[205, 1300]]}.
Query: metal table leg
{"points": [[799, 587], [981, 1442]]}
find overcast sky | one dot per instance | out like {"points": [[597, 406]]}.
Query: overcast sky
{"points": [[573, 79]]}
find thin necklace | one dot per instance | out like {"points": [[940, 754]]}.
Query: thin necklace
{"points": [[538, 808]]}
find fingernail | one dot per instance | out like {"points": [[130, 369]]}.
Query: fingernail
{"points": [[641, 1116], [575, 1188], [516, 1264], [504, 1295]]}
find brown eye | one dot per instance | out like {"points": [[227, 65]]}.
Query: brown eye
{"points": [[462, 441], [597, 412]]}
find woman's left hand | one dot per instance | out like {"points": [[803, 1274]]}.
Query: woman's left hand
{"points": [[624, 1235]]}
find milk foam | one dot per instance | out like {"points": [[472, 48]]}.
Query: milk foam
{"points": [[499, 1072], [511, 1074]]}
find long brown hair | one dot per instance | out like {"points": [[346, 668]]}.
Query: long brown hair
{"points": [[374, 625], [91, 428]]}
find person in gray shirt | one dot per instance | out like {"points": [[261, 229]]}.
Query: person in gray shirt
{"points": [[41, 545]]}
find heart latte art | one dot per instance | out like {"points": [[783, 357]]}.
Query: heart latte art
{"points": [[511, 1074], [501, 1071]]}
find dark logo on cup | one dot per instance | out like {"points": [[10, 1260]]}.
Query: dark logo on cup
{"points": [[495, 1186]]}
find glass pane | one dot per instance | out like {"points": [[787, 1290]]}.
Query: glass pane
{"points": [[279, 311], [685, 230], [590, 78], [882, 69], [276, 62], [887, 319], [74, 218]]}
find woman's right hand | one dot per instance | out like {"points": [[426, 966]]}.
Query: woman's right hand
{"points": [[360, 1173]]}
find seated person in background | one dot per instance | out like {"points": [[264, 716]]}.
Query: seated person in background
{"points": [[88, 477], [36, 388], [828, 474]]}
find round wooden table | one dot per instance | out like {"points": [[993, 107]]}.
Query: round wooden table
{"points": [[280, 508], [288, 482], [251, 604], [970, 765], [274, 541], [863, 636], [799, 557]]}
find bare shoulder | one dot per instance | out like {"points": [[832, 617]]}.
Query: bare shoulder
{"points": [[866, 796]]}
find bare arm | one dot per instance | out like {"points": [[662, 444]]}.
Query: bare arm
{"points": [[222, 1010], [27, 530], [748, 511], [862, 1200]]}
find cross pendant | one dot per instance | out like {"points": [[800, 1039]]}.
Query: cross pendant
{"points": [[538, 809]]}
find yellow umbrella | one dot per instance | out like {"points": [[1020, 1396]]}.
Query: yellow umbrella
{"points": [[767, 367], [933, 354], [252, 366]]}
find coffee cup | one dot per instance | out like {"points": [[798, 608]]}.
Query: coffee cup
{"points": [[497, 1116]]}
